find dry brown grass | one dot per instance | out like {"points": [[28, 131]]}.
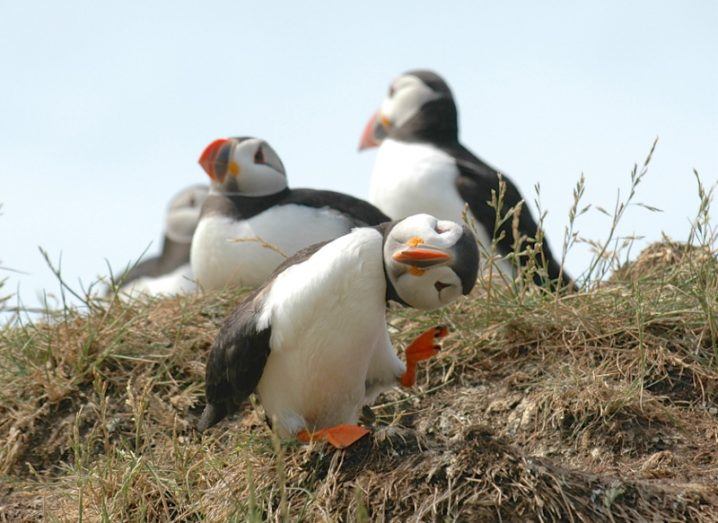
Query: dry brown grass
{"points": [[596, 406]]}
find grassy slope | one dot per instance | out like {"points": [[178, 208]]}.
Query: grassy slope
{"points": [[601, 405], [593, 406]]}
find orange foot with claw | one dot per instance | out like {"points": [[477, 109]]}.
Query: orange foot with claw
{"points": [[422, 348], [340, 436]]}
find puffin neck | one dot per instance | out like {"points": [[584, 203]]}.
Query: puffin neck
{"points": [[391, 294], [436, 122], [241, 200], [241, 206]]}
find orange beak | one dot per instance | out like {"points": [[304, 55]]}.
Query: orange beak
{"points": [[209, 155], [368, 137], [421, 257]]}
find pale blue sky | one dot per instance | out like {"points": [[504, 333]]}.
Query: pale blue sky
{"points": [[104, 108]]}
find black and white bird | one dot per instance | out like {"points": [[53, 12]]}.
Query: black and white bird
{"points": [[252, 221], [312, 342], [421, 166], [170, 272]]}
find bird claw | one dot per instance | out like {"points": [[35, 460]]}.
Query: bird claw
{"points": [[425, 345], [422, 348], [339, 437]]}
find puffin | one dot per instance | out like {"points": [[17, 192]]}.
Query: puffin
{"points": [[252, 221], [170, 272], [312, 342], [421, 166]]}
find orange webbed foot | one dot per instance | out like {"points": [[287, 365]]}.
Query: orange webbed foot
{"points": [[422, 348], [339, 437]]}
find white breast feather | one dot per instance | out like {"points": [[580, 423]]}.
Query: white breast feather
{"points": [[219, 260], [412, 178], [327, 316], [179, 281]]}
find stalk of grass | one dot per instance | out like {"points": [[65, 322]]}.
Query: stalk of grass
{"points": [[569, 235], [703, 236], [603, 259]]}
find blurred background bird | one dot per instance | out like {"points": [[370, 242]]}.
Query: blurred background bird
{"points": [[169, 272], [421, 166]]}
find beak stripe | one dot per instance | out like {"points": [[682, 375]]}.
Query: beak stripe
{"points": [[421, 256], [209, 155]]}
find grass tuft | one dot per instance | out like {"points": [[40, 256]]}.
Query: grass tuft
{"points": [[597, 405]]}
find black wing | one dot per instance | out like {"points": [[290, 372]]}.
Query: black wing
{"points": [[362, 212], [240, 351], [475, 182], [236, 361]]}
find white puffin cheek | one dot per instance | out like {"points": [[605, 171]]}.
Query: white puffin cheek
{"points": [[399, 108], [450, 294], [418, 291], [388, 110], [260, 180], [447, 276], [410, 96]]}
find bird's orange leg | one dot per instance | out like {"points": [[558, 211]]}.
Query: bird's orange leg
{"points": [[340, 436], [422, 348]]}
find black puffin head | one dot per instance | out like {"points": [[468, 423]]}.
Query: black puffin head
{"points": [[418, 107], [428, 262], [244, 165]]}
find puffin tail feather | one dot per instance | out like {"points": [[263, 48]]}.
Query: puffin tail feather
{"points": [[212, 414]]}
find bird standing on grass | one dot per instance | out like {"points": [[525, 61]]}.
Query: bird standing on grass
{"points": [[170, 272], [313, 341], [252, 221], [422, 167]]}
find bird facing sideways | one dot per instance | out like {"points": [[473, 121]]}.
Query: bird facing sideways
{"points": [[252, 220], [170, 272], [421, 166], [313, 343]]}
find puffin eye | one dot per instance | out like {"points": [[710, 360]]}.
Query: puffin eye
{"points": [[439, 286], [259, 155]]}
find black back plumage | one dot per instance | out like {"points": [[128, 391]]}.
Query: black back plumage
{"points": [[236, 361], [475, 184], [244, 207]]}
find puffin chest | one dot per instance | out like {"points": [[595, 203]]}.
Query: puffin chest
{"points": [[229, 251], [178, 281], [328, 318], [411, 178]]}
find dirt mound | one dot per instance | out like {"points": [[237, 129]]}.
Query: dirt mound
{"points": [[601, 405], [664, 257]]}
